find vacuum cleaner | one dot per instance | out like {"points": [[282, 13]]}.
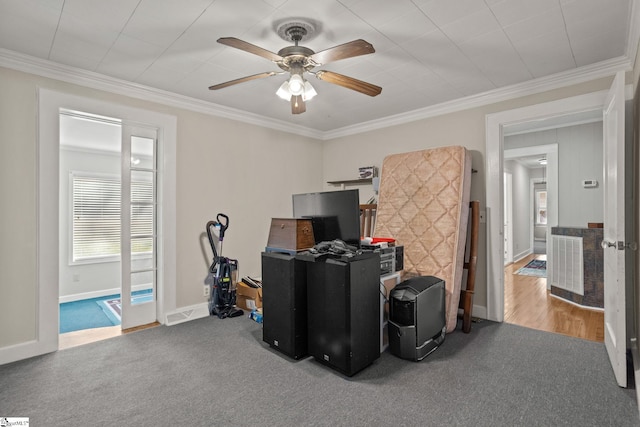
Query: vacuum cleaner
{"points": [[222, 273]]}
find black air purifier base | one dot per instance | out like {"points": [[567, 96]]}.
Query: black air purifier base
{"points": [[417, 323]]}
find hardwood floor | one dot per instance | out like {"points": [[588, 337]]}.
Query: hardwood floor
{"points": [[76, 338], [528, 303]]}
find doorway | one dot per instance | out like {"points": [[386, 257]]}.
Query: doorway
{"points": [[538, 218], [97, 191], [587, 105], [523, 163], [49, 234]]}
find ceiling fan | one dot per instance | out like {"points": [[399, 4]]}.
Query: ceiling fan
{"points": [[296, 60]]}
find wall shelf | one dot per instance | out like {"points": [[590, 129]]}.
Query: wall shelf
{"points": [[351, 181]]}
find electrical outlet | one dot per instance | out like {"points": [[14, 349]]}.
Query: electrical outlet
{"points": [[206, 290]]}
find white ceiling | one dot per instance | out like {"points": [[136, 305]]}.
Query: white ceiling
{"points": [[428, 52]]}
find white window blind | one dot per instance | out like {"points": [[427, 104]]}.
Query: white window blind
{"points": [[96, 216]]}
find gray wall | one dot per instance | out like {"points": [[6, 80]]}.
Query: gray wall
{"points": [[580, 154], [579, 158]]}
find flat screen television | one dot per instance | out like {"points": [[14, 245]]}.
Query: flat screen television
{"points": [[334, 214]]}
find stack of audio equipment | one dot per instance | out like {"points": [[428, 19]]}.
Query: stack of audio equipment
{"points": [[391, 257]]}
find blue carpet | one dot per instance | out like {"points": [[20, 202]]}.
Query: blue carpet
{"points": [[96, 312], [84, 314]]}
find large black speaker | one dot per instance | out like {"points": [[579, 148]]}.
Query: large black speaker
{"points": [[284, 303], [417, 322], [343, 306]]}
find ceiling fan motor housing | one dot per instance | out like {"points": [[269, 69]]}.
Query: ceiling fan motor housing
{"points": [[296, 58], [296, 31]]}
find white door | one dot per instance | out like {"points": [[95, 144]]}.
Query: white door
{"points": [[614, 230], [508, 218], [139, 237]]}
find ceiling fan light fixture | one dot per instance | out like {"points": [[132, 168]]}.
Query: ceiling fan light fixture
{"points": [[309, 91], [296, 85], [283, 91]]}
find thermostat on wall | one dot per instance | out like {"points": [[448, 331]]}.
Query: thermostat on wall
{"points": [[589, 183]]}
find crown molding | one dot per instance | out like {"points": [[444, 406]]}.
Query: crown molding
{"points": [[531, 87], [53, 70], [634, 31]]}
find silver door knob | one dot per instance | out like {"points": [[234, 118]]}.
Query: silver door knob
{"points": [[604, 244], [620, 245]]}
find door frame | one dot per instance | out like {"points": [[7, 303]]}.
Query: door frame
{"points": [[551, 153], [495, 124], [532, 215], [508, 207], [49, 104]]}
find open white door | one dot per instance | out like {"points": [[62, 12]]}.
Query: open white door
{"points": [[139, 238], [615, 337]]}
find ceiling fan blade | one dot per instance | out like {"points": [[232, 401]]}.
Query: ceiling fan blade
{"points": [[349, 82], [242, 80], [297, 105], [343, 51], [248, 47]]}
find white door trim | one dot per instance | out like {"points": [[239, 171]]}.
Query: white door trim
{"points": [[508, 225], [47, 155]]}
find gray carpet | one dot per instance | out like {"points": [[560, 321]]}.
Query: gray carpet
{"points": [[213, 372]]}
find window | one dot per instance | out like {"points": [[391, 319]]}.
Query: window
{"points": [[541, 207], [96, 216]]}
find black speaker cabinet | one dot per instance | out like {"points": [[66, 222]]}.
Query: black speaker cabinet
{"points": [[284, 303], [417, 323], [343, 306]]}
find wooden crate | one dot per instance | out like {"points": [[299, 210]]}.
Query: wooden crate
{"points": [[292, 234]]}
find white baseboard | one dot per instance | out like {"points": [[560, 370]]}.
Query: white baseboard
{"points": [[576, 304], [99, 294], [479, 311], [185, 314], [27, 349], [522, 255]]}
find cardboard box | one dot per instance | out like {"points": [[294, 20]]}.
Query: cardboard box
{"points": [[247, 297], [367, 172]]}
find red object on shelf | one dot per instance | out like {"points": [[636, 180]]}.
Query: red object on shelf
{"points": [[375, 240]]}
